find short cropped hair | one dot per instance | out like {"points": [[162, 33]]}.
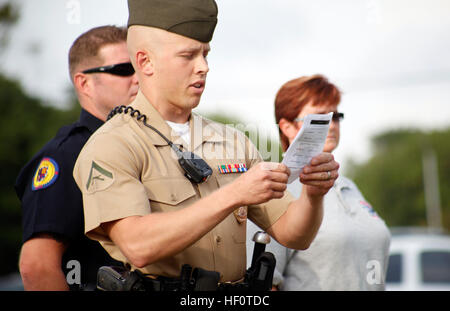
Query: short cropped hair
{"points": [[296, 93], [84, 50]]}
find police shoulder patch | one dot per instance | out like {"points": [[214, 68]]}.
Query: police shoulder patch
{"points": [[46, 174]]}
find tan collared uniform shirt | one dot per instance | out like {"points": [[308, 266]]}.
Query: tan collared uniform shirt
{"points": [[126, 169]]}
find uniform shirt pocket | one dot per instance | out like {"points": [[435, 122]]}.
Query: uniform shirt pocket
{"points": [[166, 193]]}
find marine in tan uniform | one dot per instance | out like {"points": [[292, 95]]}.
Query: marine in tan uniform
{"points": [[137, 201]]}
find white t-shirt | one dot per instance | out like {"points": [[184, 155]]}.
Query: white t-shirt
{"points": [[182, 130], [350, 251]]}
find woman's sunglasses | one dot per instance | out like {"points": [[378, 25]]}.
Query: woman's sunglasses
{"points": [[123, 69], [337, 116]]}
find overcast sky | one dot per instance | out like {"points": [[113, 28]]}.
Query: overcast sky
{"points": [[391, 58]]}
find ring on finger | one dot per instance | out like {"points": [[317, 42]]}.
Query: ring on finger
{"points": [[329, 174]]}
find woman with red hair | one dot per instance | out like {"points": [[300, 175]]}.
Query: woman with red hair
{"points": [[350, 251]]}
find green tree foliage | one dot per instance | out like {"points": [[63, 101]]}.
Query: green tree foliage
{"points": [[25, 126], [9, 15], [392, 179]]}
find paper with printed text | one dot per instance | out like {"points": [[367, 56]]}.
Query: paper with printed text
{"points": [[308, 143]]}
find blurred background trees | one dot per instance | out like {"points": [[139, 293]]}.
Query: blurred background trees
{"points": [[26, 124], [9, 16], [392, 180]]}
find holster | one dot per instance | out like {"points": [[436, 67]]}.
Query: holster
{"points": [[205, 280], [259, 276], [116, 278]]}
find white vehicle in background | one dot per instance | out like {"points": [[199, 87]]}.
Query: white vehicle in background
{"points": [[418, 261]]}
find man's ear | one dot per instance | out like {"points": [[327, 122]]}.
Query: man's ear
{"points": [[82, 84], [288, 128], [144, 63]]}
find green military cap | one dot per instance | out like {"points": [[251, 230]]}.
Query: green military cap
{"points": [[195, 19]]}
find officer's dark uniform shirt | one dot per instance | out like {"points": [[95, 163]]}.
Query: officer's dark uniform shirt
{"points": [[52, 202]]}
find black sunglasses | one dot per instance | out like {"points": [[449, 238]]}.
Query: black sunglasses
{"points": [[123, 69], [337, 116]]}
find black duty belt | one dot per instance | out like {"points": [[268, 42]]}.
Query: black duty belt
{"points": [[172, 284], [197, 280], [258, 277], [121, 279], [162, 284]]}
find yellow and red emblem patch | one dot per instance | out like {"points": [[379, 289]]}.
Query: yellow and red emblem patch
{"points": [[46, 174]]}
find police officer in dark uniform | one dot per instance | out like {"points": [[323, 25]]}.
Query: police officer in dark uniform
{"points": [[56, 255]]}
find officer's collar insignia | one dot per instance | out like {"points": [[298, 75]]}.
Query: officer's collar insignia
{"points": [[232, 168], [99, 178], [46, 174]]}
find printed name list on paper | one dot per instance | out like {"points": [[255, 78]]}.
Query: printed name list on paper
{"points": [[308, 143]]}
